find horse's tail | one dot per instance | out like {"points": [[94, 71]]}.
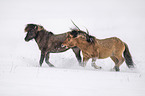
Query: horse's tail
{"points": [[128, 57]]}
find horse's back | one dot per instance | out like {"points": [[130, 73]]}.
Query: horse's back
{"points": [[107, 43], [55, 42], [109, 46], [110, 41], [118, 46]]}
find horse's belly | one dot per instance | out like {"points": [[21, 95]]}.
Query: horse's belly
{"points": [[57, 50], [105, 54]]}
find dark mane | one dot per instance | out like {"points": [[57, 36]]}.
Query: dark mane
{"points": [[50, 33], [76, 32], [37, 27], [32, 26]]}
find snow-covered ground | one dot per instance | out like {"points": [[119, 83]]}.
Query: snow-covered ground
{"points": [[20, 74]]}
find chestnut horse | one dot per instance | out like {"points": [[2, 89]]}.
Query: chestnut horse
{"points": [[48, 42], [99, 48]]}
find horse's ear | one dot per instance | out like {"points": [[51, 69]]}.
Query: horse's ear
{"points": [[40, 28], [35, 27], [69, 35], [26, 28]]}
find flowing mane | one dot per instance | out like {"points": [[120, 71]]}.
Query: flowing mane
{"points": [[76, 32], [36, 27]]}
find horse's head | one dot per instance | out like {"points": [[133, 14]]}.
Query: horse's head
{"points": [[32, 30], [69, 42], [77, 36]]}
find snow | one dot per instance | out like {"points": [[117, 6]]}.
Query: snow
{"points": [[20, 74]]}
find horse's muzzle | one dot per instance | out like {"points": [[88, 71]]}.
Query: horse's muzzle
{"points": [[26, 39]]}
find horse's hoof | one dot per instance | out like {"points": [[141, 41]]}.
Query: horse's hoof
{"points": [[40, 65], [97, 67], [116, 69], [82, 65], [51, 66]]}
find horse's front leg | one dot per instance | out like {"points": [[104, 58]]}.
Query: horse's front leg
{"points": [[94, 64], [47, 60], [42, 58], [86, 57], [85, 60]]}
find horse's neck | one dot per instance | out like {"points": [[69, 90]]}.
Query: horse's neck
{"points": [[38, 37], [89, 49], [83, 45], [42, 34]]}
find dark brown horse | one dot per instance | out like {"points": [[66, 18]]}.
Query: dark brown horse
{"points": [[48, 42], [99, 48]]}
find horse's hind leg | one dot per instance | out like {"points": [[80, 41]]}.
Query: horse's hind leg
{"points": [[121, 60], [118, 60], [94, 64], [76, 50], [47, 60]]}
